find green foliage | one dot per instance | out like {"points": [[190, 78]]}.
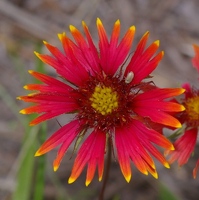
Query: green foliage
{"points": [[31, 171], [31, 175], [165, 193], [26, 167]]}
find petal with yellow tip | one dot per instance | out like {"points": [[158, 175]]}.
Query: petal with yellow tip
{"points": [[91, 152]]}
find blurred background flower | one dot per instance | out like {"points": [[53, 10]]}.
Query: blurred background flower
{"points": [[185, 144]]}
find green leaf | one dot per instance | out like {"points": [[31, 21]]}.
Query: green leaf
{"points": [[165, 193], [40, 170], [177, 133], [26, 167], [40, 66]]}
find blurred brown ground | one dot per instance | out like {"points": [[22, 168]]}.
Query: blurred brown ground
{"points": [[25, 23]]}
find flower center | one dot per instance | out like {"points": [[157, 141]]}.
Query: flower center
{"points": [[192, 108], [104, 100]]}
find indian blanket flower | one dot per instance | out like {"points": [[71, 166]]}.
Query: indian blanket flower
{"points": [[105, 89], [184, 145]]}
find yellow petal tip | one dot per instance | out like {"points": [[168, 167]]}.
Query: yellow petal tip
{"points": [[99, 22], [166, 164], [132, 28], [25, 87], [87, 182], [178, 125], [146, 34], [145, 172], [182, 108], [61, 35], [100, 178], [161, 54], [22, 111], [36, 53], [72, 28], [128, 178], [155, 175], [172, 148], [37, 153], [153, 165], [30, 71], [55, 168], [84, 25], [182, 90], [157, 42], [71, 180], [117, 22]]}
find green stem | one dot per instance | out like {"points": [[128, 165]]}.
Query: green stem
{"points": [[40, 170], [107, 170], [177, 133]]}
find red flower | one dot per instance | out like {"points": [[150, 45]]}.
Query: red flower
{"points": [[184, 145], [105, 89], [195, 60]]}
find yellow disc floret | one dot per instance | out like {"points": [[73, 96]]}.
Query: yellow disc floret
{"points": [[104, 100], [192, 108]]}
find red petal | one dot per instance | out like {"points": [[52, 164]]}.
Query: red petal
{"points": [[64, 147], [88, 57], [91, 45], [64, 66], [60, 86], [43, 88], [65, 134], [48, 97], [195, 60], [44, 117], [150, 104], [131, 142], [113, 55], [53, 107], [142, 63], [122, 50], [91, 152], [160, 94], [147, 136], [195, 170], [184, 146], [123, 154], [107, 63], [188, 93], [103, 44]]}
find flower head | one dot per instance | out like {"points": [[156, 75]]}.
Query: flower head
{"points": [[109, 91], [184, 145]]}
